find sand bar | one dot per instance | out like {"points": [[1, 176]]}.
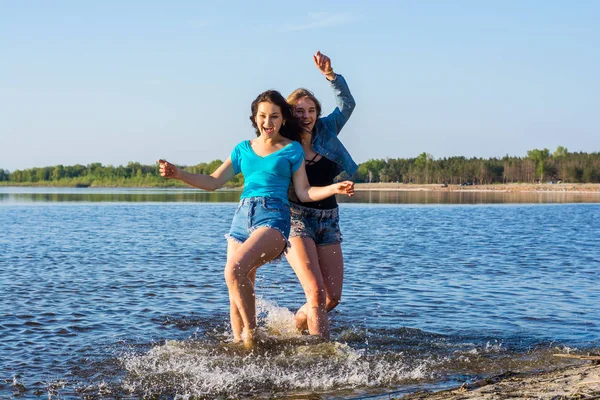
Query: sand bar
{"points": [[581, 381]]}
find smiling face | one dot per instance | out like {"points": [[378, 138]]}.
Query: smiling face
{"points": [[269, 119], [306, 111]]}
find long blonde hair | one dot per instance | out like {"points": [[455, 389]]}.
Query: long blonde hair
{"points": [[297, 94]]}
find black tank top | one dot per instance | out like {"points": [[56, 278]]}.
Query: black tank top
{"points": [[319, 173]]}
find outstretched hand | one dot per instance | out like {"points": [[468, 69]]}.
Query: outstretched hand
{"points": [[323, 63], [345, 187], [167, 169]]}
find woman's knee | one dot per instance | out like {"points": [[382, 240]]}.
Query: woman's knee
{"points": [[232, 272], [236, 271], [229, 275]]}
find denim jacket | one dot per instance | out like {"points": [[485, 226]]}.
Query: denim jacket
{"points": [[325, 137]]}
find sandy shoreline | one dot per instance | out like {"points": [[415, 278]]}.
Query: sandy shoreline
{"points": [[509, 187], [580, 381]]}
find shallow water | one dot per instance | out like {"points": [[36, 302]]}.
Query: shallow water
{"points": [[123, 296]]}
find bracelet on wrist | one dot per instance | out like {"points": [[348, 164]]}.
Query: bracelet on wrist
{"points": [[328, 72]]}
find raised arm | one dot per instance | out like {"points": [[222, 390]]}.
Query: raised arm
{"points": [[307, 193], [343, 98], [210, 182], [323, 63]]}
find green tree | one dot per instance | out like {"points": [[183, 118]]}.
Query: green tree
{"points": [[369, 171], [58, 173], [539, 157], [561, 162], [560, 152], [423, 164]]}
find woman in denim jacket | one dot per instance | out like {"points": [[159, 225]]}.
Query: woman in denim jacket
{"points": [[261, 224], [316, 253]]}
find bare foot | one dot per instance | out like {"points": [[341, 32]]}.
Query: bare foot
{"points": [[301, 321], [249, 343], [254, 338], [249, 338]]}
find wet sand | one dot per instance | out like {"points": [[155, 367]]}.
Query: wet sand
{"points": [[581, 381], [509, 187]]}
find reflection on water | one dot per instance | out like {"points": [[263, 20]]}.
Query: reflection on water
{"points": [[465, 197], [35, 195], [93, 195]]}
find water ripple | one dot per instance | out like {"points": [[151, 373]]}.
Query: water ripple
{"points": [[94, 293]]}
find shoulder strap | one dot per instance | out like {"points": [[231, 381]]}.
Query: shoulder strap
{"points": [[312, 160]]}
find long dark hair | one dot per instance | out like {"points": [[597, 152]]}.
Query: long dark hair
{"points": [[292, 128]]}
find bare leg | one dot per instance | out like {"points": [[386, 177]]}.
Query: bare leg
{"points": [[263, 245], [332, 268], [237, 324], [303, 257]]}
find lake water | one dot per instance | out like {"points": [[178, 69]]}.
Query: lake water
{"points": [[119, 293]]}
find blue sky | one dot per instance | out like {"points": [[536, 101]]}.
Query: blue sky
{"points": [[120, 81]]}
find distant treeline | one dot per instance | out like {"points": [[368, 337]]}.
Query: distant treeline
{"points": [[537, 166], [133, 174]]}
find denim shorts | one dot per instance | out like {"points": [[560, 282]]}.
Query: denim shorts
{"points": [[256, 212], [322, 226]]}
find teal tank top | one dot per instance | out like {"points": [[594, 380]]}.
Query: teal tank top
{"points": [[267, 176]]}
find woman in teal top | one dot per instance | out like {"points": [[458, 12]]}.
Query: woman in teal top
{"points": [[268, 175], [261, 224]]}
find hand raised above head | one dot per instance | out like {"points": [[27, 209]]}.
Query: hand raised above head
{"points": [[323, 63]]}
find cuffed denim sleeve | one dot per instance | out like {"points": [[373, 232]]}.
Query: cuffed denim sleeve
{"points": [[345, 105], [325, 139]]}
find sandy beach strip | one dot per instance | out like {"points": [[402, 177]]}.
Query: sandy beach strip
{"points": [[581, 381], [507, 188]]}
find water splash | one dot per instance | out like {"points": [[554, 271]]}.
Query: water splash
{"points": [[285, 362], [278, 321]]}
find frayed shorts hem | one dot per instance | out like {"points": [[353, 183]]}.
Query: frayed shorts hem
{"points": [[305, 235]]}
